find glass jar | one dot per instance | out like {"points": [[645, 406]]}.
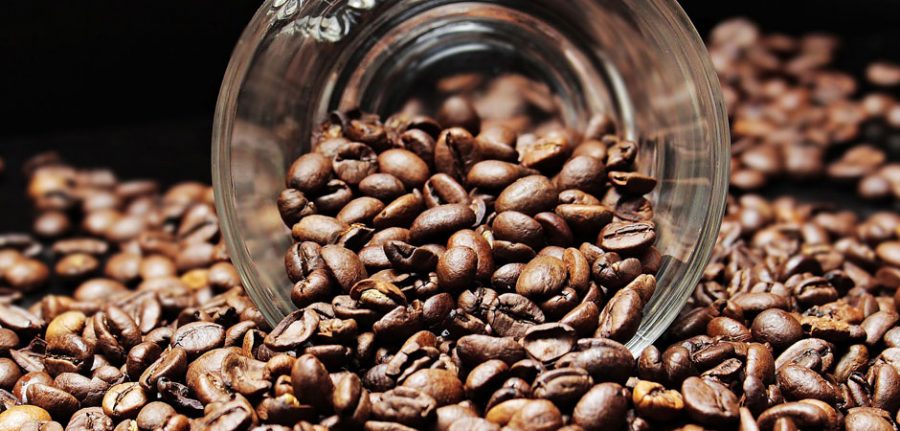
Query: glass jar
{"points": [[640, 61]]}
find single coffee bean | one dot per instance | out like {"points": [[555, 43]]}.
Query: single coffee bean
{"points": [[709, 402], [199, 337], [627, 237], [403, 405], [583, 173], [382, 186], [440, 221], [293, 331], [653, 401], [777, 327], [601, 408], [353, 162], [441, 385], [405, 165], [620, 318], [124, 400], [543, 276], [360, 210], [58, 403], [453, 152], [529, 195], [309, 173], [311, 382], [538, 415]]}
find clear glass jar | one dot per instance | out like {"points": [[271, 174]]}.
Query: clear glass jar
{"points": [[640, 61]]}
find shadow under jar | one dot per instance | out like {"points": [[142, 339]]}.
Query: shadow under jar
{"points": [[639, 61]]}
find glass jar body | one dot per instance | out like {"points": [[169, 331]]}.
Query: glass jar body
{"points": [[640, 61]]}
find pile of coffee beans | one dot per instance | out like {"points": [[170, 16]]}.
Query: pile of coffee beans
{"points": [[459, 272], [794, 118]]}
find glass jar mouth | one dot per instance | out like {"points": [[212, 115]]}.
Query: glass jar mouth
{"points": [[263, 117]]}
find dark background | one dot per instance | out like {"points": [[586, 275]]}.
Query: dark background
{"points": [[132, 84]]}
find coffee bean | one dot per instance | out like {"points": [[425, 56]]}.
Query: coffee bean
{"points": [[293, 331], [404, 405], [440, 221], [360, 210], [124, 400], [475, 349], [400, 211], [198, 337], [494, 175], [16, 417], [583, 173], [548, 342], [538, 415], [482, 248], [90, 418], [709, 402], [601, 408], [621, 316], [309, 173], [311, 382], [542, 276], [442, 189], [529, 195], [654, 402], [776, 327], [353, 162], [68, 353], [343, 265], [382, 186], [171, 364], [58, 403], [441, 385], [405, 165], [605, 360], [627, 237], [453, 152]]}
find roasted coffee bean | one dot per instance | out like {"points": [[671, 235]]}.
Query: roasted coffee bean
{"points": [[562, 386], [360, 210], [605, 360], [68, 353], [353, 162], [627, 237], [311, 382], [382, 186], [475, 349], [453, 152], [309, 173], [514, 226], [493, 175], [456, 268], [652, 401], [442, 189], [548, 342], [543, 276], [293, 331], [440, 221], [405, 165], [124, 400], [709, 402], [601, 408], [58, 403], [529, 195], [777, 327], [16, 417], [538, 415], [621, 316], [481, 247], [404, 405], [441, 385], [511, 315]]}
